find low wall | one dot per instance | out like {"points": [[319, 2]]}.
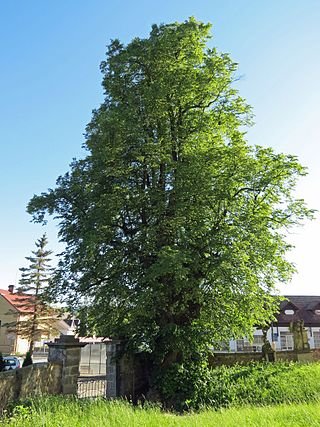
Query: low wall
{"points": [[229, 359], [299, 356], [37, 380], [31, 381], [8, 388]]}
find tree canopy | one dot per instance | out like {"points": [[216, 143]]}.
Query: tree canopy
{"points": [[174, 225]]}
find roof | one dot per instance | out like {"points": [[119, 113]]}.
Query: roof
{"points": [[304, 307], [94, 340], [72, 322], [18, 301]]}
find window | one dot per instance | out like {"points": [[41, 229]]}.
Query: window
{"points": [[286, 341], [257, 342], [290, 312], [245, 345], [316, 338], [240, 345], [257, 339]]}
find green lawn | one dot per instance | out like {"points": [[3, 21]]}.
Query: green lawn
{"points": [[270, 395], [62, 412]]}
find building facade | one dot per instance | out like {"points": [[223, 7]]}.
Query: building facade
{"points": [[296, 312], [13, 310]]}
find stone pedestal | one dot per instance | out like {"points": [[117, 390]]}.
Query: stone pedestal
{"points": [[66, 350]]}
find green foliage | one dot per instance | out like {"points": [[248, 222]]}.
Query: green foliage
{"points": [[27, 360], [2, 363], [186, 386], [22, 412], [174, 226], [195, 386], [65, 412], [271, 383]]}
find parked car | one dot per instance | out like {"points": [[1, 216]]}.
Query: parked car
{"points": [[11, 362]]}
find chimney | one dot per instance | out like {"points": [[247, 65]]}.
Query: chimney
{"points": [[10, 289]]}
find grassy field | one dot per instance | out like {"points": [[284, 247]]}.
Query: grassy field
{"points": [[62, 412], [256, 384], [270, 395]]}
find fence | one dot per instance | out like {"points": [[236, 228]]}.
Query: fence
{"points": [[92, 381], [92, 387]]}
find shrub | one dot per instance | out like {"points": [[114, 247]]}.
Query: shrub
{"points": [[2, 363], [28, 360], [186, 386], [192, 386]]}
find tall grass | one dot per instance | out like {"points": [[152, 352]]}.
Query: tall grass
{"points": [[255, 384], [288, 395], [62, 412], [264, 384]]}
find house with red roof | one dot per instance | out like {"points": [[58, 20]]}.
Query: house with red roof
{"points": [[14, 307]]}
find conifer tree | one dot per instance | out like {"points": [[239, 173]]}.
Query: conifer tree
{"points": [[2, 363], [37, 318], [27, 360]]}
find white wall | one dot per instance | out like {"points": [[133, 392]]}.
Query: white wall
{"points": [[275, 342]]}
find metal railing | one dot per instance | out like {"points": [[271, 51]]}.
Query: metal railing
{"points": [[89, 387]]}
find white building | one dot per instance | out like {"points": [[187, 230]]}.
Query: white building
{"points": [[295, 308]]}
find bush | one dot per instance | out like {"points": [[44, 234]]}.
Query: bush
{"points": [[28, 360], [2, 363], [185, 386], [192, 386]]}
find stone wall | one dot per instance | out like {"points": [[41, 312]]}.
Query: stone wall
{"points": [[302, 356], [287, 356], [113, 349], [31, 381], [230, 359], [127, 376], [66, 351], [59, 376], [133, 376], [8, 388], [37, 380]]}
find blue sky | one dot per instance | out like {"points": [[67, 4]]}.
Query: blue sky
{"points": [[50, 82]]}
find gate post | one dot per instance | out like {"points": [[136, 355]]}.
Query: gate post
{"points": [[112, 365], [66, 350]]}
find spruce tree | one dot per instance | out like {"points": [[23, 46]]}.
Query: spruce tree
{"points": [[2, 363], [37, 318], [27, 360]]}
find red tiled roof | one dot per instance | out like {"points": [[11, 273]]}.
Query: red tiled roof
{"points": [[19, 301]]}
